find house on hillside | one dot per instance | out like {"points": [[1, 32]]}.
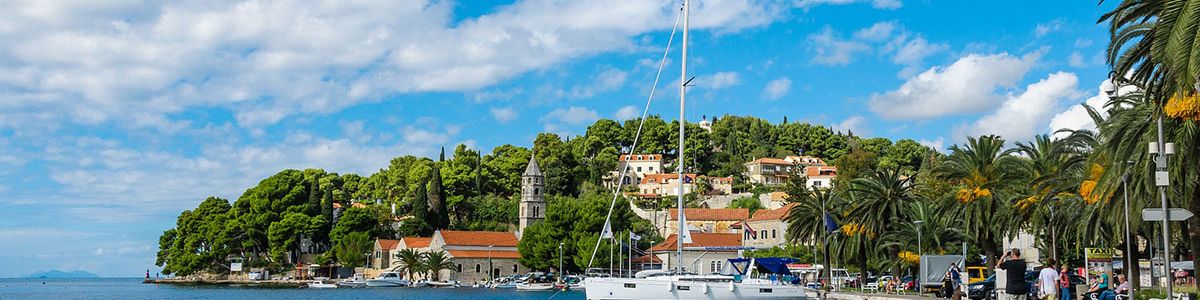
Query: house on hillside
{"points": [[709, 220], [706, 254], [635, 167], [473, 253], [768, 228], [667, 185], [768, 171], [381, 257]]}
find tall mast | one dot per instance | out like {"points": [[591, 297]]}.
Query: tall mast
{"points": [[679, 163]]}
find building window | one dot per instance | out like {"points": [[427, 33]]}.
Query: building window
{"points": [[535, 211], [460, 268], [536, 191], [639, 169], [514, 268], [763, 233], [478, 268], [772, 233], [651, 169]]}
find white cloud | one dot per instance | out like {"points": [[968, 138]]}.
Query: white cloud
{"points": [[1076, 60], [605, 81], [777, 88], [830, 49], [913, 53], [853, 124], [1023, 116], [1047, 28], [1082, 42], [1076, 117], [574, 115], [877, 32], [938, 144], [504, 114], [720, 80], [140, 64], [627, 112], [966, 86]]}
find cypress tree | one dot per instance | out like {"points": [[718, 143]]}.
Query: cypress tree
{"points": [[438, 216]]}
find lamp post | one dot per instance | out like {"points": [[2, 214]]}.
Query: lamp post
{"points": [[920, 250], [1110, 88], [560, 258]]}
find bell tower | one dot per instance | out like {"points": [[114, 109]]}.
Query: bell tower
{"points": [[533, 200]]}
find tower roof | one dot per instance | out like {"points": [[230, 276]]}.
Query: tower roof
{"points": [[532, 169]]}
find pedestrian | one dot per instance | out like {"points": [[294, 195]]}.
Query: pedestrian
{"points": [[1047, 281], [1015, 286], [1064, 283]]}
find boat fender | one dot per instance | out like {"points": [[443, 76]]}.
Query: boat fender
{"points": [[671, 286], [731, 286], [705, 289]]}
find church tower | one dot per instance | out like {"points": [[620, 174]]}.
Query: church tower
{"points": [[533, 202]]}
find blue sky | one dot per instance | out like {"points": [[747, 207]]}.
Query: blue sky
{"points": [[117, 115]]}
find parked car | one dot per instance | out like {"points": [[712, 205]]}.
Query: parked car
{"points": [[986, 289]]}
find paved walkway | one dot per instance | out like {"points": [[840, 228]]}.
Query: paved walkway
{"points": [[873, 296]]}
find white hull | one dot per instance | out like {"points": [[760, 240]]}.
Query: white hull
{"points": [[319, 285], [387, 283], [535, 287], [666, 288], [441, 284]]}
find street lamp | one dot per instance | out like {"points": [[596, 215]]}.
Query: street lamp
{"points": [[920, 250], [1130, 261]]}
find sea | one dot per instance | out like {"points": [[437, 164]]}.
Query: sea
{"points": [[133, 288]]}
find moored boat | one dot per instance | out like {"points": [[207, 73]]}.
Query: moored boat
{"points": [[318, 284], [388, 279], [442, 284], [536, 287]]}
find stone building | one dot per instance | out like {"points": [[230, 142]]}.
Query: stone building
{"points": [[533, 201], [473, 253]]}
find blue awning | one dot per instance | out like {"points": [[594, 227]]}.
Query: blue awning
{"points": [[772, 265]]}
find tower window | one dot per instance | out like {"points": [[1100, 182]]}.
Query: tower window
{"points": [[535, 211], [535, 191]]}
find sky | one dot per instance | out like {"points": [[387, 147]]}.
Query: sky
{"points": [[116, 115]]}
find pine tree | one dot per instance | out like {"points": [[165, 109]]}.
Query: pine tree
{"points": [[438, 216]]}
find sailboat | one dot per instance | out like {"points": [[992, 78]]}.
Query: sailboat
{"points": [[731, 283]]}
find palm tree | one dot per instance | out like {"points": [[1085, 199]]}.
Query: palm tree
{"points": [[436, 262], [883, 196], [1054, 168], [1154, 41], [410, 261], [984, 174]]}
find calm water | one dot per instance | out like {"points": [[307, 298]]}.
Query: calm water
{"points": [[132, 288]]}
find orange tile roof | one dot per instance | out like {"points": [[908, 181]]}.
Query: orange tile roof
{"points": [[770, 161], [702, 239], [387, 244], [417, 242], [641, 157], [722, 179], [648, 258], [713, 214], [815, 171], [772, 214], [479, 238], [484, 254], [662, 178]]}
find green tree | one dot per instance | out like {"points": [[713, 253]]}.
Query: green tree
{"points": [[438, 217], [418, 222], [883, 196], [352, 249], [199, 242], [435, 262], [285, 235], [410, 261], [984, 175], [750, 203], [368, 219]]}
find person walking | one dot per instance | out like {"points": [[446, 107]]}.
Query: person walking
{"points": [[1015, 286], [1064, 283], [1047, 281]]}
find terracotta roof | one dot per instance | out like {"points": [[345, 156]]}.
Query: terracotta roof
{"points": [[701, 239], [387, 244], [816, 171], [772, 214], [417, 242], [713, 214], [770, 161], [648, 258], [722, 179], [806, 159], [479, 238], [641, 157], [484, 254], [662, 178]]}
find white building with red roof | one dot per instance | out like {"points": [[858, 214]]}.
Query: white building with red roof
{"points": [[475, 252], [768, 227], [706, 254], [710, 220]]}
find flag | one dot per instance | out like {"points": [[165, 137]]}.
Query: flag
{"points": [[607, 232], [634, 236], [751, 231], [686, 233], [830, 225]]}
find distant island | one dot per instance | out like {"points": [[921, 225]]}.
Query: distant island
{"points": [[63, 274]]}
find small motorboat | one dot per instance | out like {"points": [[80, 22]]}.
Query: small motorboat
{"points": [[536, 287], [356, 281], [317, 284], [388, 279], [503, 283], [442, 284]]}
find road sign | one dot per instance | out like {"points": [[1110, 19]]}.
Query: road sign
{"points": [[1156, 214]]}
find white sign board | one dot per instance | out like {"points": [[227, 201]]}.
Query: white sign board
{"points": [[1156, 214], [235, 267]]}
